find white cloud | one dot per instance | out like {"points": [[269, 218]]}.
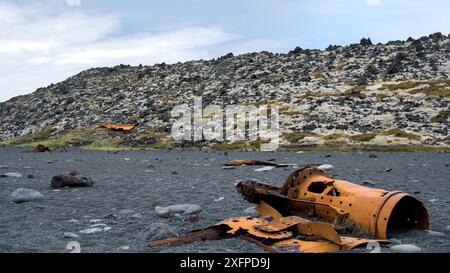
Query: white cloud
{"points": [[73, 2], [373, 2], [39, 46]]}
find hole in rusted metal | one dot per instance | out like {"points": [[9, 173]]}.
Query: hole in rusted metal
{"points": [[408, 213], [317, 187]]}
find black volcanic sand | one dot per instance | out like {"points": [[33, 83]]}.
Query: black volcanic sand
{"points": [[122, 183]]}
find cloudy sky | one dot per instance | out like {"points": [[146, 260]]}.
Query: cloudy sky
{"points": [[46, 41]]}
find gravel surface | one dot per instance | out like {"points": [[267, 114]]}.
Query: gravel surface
{"points": [[118, 213]]}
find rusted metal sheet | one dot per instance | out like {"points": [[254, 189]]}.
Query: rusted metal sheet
{"points": [[238, 225], [281, 224], [265, 210], [309, 246], [302, 226], [241, 162], [313, 192], [120, 127], [323, 230]]}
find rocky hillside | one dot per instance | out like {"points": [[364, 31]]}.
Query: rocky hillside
{"points": [[361, 96]]}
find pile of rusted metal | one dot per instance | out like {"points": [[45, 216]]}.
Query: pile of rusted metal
{"points": [[315, 213]]}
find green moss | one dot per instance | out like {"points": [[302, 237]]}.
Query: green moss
{"points": [[333, 136], [273, 78], [152, 133], [401, 86], [296, 137], [133, 119], [41, 135], [234, 146], [133, 78], [432, 88], [355, 91], [257, 143], [442, 117], [318, 75], [92, 135], [381, 96], [314, 95], [372, 148], [363, 137], [391, 132], [105, 148], [399, 133]]}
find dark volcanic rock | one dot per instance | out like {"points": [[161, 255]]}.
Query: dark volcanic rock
{"points": [[71, 180]]}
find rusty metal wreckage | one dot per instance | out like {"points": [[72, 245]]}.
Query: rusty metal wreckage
{"points": [[311, 211]]}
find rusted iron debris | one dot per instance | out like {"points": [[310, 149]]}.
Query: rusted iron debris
{"points": [[315, 213], [120, 127]]}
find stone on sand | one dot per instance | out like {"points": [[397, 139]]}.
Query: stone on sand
{"points": [[70, 235], [91, 230], [184, 209], [72, 179], [158, 231], [251, 211], [13, 175], [264, 169], [406, 248], [95, 230], [22, 195], [126, 211], [435, 233], [326, 167]]}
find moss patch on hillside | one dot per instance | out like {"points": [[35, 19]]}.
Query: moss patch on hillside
{"points": [[430, 88], [45, 133], [442, 117]]}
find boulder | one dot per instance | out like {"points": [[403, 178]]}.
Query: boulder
{"points": [[73, 179]]}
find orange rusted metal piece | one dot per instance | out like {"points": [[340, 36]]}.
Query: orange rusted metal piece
{"points": [[238, 225], [265, 210], [314, 192], [120, 127]]}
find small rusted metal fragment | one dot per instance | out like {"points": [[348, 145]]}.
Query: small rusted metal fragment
{"points": [[120, 127], [40, 149], [240, 162], [216, 232], [281, 224]]}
